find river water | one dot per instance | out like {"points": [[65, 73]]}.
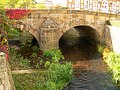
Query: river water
{"points": [[91, 72]]}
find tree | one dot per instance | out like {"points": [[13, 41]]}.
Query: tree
{"points": [[5, 23], [17, 3]]}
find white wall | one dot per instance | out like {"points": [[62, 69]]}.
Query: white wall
{"points": [[115, 36]]}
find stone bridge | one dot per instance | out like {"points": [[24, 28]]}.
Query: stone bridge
{"points": [[48, 26]]}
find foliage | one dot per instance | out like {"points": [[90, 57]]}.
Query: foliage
{"points": [[23, 4], [25, 38], [37, 61], [5, 23], [33, 55], [54, 77], [61, 71], [10, 3], [31, 81], [35, 49], [17, 61], [101, 48], [16, 3], [16, 13], [58, 74], [14, 33], [41, 6], [54, 54], [113, 61], [105, 53]]}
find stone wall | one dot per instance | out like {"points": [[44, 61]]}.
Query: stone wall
{"points": [[47, 26], [6, 82], [106, 38]]}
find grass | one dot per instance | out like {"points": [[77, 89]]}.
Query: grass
{"points": [[32, 81]]}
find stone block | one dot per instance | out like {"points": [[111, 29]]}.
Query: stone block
{"points": [[2, 87]]}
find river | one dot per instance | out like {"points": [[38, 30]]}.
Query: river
{"points": [[90, 70]]}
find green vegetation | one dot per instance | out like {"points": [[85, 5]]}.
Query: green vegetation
{"points": [[54, 76], [5, 22], [54, 54], [113, 61], [101, 48], [58, 74], [21, 4], [17, 61], [31, 81]]}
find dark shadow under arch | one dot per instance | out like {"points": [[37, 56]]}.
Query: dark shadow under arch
{"points": [[80, 43], [34, 42]]}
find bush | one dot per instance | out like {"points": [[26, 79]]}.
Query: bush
{"points": [[61, 72], [113, 61], [54, 54], [58, 75]]}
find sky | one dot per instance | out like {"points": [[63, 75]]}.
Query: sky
{"points": [[56, 2], [60, 2]]}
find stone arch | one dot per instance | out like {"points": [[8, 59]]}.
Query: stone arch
{"points": [[61, 26], [28, 28], [82, 39], [90, 31], [87, 31], [73, 23]]}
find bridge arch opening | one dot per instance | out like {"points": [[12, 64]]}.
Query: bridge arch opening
{"points": [[23, 42], [28, 39], [80, 43]]}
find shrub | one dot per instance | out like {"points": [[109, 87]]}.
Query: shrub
{"points": [[61, 71], [113, 61], [54, 54], [58, 75]]}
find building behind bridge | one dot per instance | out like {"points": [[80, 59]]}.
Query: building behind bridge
{"points": [[107, 6]]}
